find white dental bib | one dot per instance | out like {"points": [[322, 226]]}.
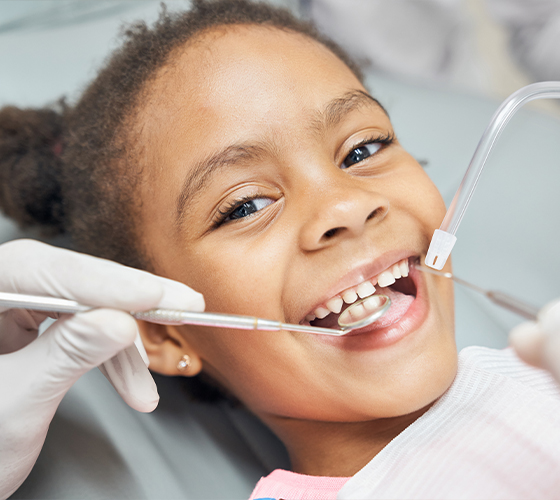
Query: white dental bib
{"points": [[494, 434]]}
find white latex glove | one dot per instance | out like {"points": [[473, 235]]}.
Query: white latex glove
{"points": [[538, 343], [35, 373]]}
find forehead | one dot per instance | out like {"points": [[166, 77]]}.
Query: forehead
{"points": [[230, 76]]}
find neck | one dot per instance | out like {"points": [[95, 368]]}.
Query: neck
{"points": [[336, 448]]}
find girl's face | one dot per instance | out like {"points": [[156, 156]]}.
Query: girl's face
{"points": [[273, 185]]}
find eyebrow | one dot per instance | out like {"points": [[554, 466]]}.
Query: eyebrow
{"points": [[327, 118], [341, 106]]}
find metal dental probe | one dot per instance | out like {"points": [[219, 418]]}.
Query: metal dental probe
{"points": [[499, 298]]}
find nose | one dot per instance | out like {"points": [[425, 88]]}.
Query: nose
{"points": [[340, 210]]}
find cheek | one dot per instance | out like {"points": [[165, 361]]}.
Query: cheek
{"points": [[418, 195], [239, 275]]}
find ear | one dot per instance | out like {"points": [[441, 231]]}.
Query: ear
{"points": [[166, 347]]}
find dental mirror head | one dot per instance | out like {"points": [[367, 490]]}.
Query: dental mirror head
{"points": [[364, 312]]}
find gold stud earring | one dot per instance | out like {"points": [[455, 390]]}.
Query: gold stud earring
{"points": [[184, 363]]}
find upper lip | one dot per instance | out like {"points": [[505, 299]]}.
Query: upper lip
{"points": [[361, 272]]}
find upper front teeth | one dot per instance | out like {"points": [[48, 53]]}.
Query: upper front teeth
{"points": [[364, 289], [403, 265], [322, 312], [350, 296], [386, 278], [335, 304], [396, 271]]}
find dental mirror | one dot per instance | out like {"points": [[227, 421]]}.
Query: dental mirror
{"points": [[360, 314], [364, 312]]}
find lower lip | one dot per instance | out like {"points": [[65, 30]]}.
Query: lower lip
{"points": [[371, 337]]}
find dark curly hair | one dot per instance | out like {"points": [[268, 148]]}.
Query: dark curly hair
{"points": [[73, 170]]}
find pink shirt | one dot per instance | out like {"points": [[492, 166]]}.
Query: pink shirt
{"points": [[286, 485]]}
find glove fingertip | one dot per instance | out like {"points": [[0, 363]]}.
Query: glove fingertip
{"points": [[179, 296], [132, 380], [144, 406], [146, 402], [528, 341]]}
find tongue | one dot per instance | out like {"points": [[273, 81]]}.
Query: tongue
{"points": [[400, 303]]}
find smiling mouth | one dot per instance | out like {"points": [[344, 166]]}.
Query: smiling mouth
{"points": [[394, 282]]}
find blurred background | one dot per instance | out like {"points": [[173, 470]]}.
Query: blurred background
{"points": [[491, 47]]}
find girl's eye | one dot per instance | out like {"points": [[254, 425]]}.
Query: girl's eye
{"points": [[246, 208], [360, 153]]}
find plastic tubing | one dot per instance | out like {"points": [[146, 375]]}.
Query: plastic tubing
{"points": [[444, 238]]}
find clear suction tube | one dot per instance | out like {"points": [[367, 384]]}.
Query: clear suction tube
{"points": [[444, 238]]}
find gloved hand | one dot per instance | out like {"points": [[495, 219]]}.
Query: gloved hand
{"points": [[35, 373], [538, 343]]}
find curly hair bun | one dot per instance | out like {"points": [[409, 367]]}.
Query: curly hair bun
{"points": [[30, 167]]}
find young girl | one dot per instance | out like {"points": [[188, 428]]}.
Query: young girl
{"points": [[233, 149]]}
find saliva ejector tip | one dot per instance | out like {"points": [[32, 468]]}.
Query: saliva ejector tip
{"points": [[440, 248]]}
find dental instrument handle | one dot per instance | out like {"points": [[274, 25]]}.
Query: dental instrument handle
{"points": [[507, 301], [38, 303], [161, 316], [444, 239], [171, 317]]}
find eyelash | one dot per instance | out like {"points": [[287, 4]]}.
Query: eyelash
{"points": [[220, 219], [383, 139], [231, 207]]}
